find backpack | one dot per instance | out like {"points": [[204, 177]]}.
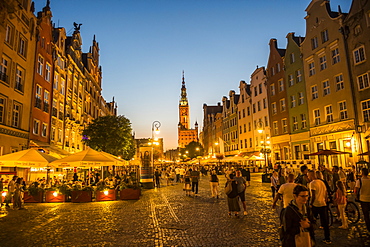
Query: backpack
{"points": [[228, 187]]}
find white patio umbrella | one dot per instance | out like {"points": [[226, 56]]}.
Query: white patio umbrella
{"points": [[27, 159]]}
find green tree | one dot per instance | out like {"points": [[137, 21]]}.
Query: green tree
{"points": [[192, 150], [111, 134]]}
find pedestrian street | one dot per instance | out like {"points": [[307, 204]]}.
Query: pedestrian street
{"points": [[162, 217]]}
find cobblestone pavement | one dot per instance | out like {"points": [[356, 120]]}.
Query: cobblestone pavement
{"points": [[162, 217]]}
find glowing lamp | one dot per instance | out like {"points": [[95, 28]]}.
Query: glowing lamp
{"points": [[260, 131], [55, 194], [106, 192], [4, 193]]}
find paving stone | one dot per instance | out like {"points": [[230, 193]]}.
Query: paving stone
{"points": [[162, 217]]}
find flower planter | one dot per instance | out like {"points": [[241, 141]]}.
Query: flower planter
{"points": [[129, 194], [51, 197], [81, 196], [33, 198], [106, 195]]}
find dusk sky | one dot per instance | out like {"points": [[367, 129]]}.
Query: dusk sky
{"points": [[146, 44]]}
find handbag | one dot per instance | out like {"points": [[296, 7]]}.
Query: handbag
{"points": [[228, 188], [303, 239]]}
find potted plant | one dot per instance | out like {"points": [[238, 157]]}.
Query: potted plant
{"points": [[81, 193], [129, 189], [57, 194], [105, 193], [33, 193]]}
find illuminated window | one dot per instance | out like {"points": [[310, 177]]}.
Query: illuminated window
{"points": [[46, 101], [47, 72], [303, 121], [282, 105], [38, 96], [275, 127], [44, 130], [295, 123], [284, 123]]}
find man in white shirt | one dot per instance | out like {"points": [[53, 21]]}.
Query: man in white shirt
{"points": [[363, 187], [285, 191], [319, 197], [11, 188]]}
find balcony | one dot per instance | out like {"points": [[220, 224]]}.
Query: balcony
{"points": [[38, 102], [46, 107]]}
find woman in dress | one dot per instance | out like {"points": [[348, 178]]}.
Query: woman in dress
{"points": [[232, 197], [341, 201], [17, 199]]}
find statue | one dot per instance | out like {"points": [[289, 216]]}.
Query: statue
{"points": [[77, 26]]}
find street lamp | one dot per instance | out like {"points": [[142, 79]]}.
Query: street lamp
{"points": [[260, 130], [155, 130]]}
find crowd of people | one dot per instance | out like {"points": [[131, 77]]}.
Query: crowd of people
{"points": [[306, 196]]}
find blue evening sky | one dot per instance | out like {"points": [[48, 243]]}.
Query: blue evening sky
{"points": [[146, 44]]}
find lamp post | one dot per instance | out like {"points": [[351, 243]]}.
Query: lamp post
{"points": [[261, 129], [155, 130]]}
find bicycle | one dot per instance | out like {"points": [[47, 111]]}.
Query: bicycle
{"points": [[352, 212]]}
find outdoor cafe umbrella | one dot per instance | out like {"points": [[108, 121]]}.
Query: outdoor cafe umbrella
{"points": [[328, 152], [85, 159], [28, 158]]}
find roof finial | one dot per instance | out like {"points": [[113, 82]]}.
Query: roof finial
{"points": [[183, 78]]}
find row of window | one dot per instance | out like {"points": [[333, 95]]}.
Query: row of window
{"points": [[46, 72], [21, 45], [36, 128], [15, 112], [5, 72]]}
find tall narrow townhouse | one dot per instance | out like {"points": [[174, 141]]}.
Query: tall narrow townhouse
{"points": [[17, 53], [230, 138], [278, 113], [356, 32], [260, 115], [209, 138], [297, 102], [58, 118], [245, 120], [75, 93], [329, 93], [40, 120]]}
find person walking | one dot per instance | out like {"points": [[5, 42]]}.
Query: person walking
{"points": [[187, 184], [248, 177], [298, 216], [17, 198], [303, 178], [274, 183], [1, 191], [242, 185], [340, 199], [11, 188], [319, 197], [285, 192], [232, 197], [194, 176], [362, 189], [214, 184], [157, 176]]}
